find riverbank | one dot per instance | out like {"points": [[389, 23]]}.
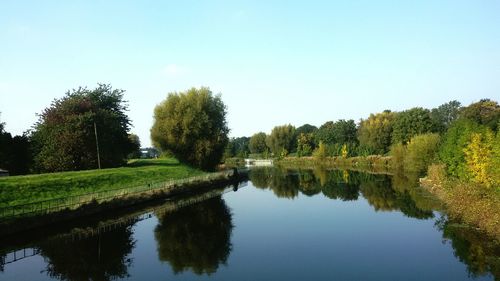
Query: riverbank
{"points": [[24, 217], [373, 163], [27, 189], [471, 203]]}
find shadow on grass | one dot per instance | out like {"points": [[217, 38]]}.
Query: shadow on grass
{"points": [[145, 163]]}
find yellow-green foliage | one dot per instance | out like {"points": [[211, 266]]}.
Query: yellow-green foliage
{"points": [[479, 156], [417, 154], [344, 151], [320, 152]]}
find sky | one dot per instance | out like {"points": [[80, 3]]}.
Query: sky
{"points": [[274, 62]]}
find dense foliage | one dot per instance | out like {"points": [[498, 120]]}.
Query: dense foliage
{"points": [[15, 153], [257, 143], [281, 139], [192, 125], [410, 123], [64, 137], [375, 133]]}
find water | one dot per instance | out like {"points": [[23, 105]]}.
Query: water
{"points": [[282, 225]]}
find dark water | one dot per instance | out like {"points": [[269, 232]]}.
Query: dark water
{"points": [[281, 225]]}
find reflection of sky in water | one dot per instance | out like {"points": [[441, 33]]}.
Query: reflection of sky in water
{"points": [[304, 238]]}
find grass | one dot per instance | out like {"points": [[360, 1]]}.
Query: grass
{"points": [[33, 188]]}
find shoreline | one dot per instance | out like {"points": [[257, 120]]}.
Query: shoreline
{"points": [[95, 206]]}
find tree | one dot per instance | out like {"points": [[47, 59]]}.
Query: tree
{"points": [[444, 115], [485, 112], [410, 123], [479, 158], [257, 143], [306, 129], [136, 144], [281, 139], [375, 133], [65, 135], [237, 147], [340, 132], [192, 125], [305, 144]]}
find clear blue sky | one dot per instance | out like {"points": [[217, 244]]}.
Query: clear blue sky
{"points": [[274, 62]]}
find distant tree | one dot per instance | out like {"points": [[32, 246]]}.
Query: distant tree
{"points": [[444, 115], [484, 112], [64, 136], [136, 143], [410, 123], [325, 133], [281, 138], [454, 143], [192, 125], [306, 129], [237, 147], [320, 153], [340, 132], [257, 143], [375, 133], [305, 144]]}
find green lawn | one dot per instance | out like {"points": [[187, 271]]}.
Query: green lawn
{"points": [[26, 189]]}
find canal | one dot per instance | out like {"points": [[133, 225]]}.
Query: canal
{"points": [[280, 225]]}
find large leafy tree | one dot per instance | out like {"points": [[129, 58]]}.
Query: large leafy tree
{"points": [[64, 137], [237, 147], [192, 125], [410, 123], [257, 143], [281, 139], [444, 115], [484, 112], [340, 132], [375, 133]]}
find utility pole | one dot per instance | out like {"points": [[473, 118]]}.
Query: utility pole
{"points": [[97, 146]]}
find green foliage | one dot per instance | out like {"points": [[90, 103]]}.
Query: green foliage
{"points": [[26, 189], [421, 151], [136, 144], [375, 133], [484, 112], [444, 115], [192, 125], [320, 153], [306, 129], [481, 155], [339, 132], [257, 143], [410, 123], [15, 153], [64, 137], [237, 147], [281, 137], [305, 144], [456, 139]]}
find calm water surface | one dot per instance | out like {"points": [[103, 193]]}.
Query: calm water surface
{"points": [[281, 225]]}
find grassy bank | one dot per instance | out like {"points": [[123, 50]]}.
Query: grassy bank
{"points": [[372, 163], [32, 188], [469, 202]]}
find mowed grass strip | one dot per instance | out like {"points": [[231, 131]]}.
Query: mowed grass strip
{"points": [[18, 190]]}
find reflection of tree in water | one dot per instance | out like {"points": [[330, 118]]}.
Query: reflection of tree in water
{"points": [[308, 184], [338, 185], [380, 194], [470, 246], [101, 257], [196, 237], [281, 182], [345, 185]]}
